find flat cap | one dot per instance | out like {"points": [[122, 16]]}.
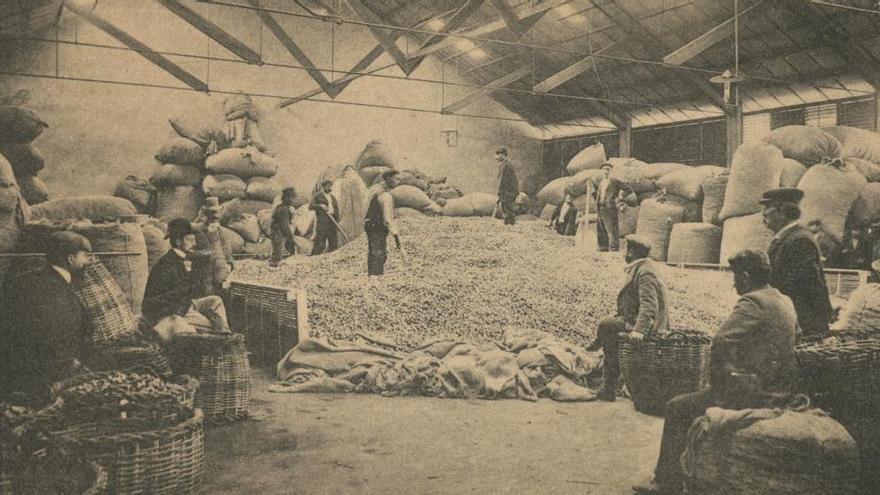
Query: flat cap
{"points": [[638, 240], [783, 195], [750, 260], [607, 165]]}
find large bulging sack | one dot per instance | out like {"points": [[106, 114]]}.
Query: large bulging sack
{"points": [[829, 193], [688, 182], [178, 202], [857, 143], [692, 211], [247, 226], [262, 189], [330, 173], [376, 154], [20, 124], [714, 189], [34, 190], [554, 192], [410, 178], [182, 151], [483, 203], [353, 197], [655, 224], [13, 216], [756, 168], [862, 311], [627, 220], [582, 183], [252, 206], [410, 197], [243, 163], [157, 244], [808, 145], [373, 173], [870, 170], [94, 208], [25, 159], [224, 187], [653, 171], [748, 232], [203, 133], [140, 192], [459, 207], [533, 183], [591, 157], [233, 243], [170, 175], [261, 250], [7, 176], [631, 172], [792, 172], [264, 217], [694, 243], [866, 208]]}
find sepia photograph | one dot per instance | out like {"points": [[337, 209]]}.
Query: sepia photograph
{"points": [[323, 247]]}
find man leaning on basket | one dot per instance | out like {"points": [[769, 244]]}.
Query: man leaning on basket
{"points": [[752, 354], [169, 303]]}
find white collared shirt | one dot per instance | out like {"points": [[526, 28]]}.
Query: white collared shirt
{"points": [[564, 211], [603, 189], [785, 229], [65, 274], [330, 210], [635, 264], [186, 263]]}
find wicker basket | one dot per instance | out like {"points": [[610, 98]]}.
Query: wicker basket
{"points": [[98, 485], [106, 308], [660, 368], [220, 363], [843, 374], [146, 355]]}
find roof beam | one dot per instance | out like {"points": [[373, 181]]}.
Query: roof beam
{"points": [[570, 72], [213, 31], [295, 51], [388, 41], [487, 90], [525, 15], [710, 38], [459, 18], [634, 29], [519, 27], [142, 49]]}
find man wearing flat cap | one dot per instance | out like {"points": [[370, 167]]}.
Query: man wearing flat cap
{"points": [[608, 192], [796, 261], [44, 337], [508, 186], [752, 356], [171, 302], [641, 311]]}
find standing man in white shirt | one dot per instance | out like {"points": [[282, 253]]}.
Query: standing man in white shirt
{"points": [[379, 222], [326, 210], [608, 193]]}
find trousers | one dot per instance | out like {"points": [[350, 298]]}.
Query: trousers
{"points": [[281, 245], [607, 233], [377, 251], [326, 238], [680, 415], [206, 314], [607, 338]]}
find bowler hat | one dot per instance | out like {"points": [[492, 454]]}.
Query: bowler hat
{"points": [[179, 228], [638, 240], [782, 195]]}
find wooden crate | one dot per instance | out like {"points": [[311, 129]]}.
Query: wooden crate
{"points": [[273, 319]]}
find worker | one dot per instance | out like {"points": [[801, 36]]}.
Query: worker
{"points": [[44, 335], [641, 311], [508, 186], [855, 252], [564, 218], [609, 194], [282, 233], [752, 354], [326, 210], [170, 302], [379, 222], [795, 260]]}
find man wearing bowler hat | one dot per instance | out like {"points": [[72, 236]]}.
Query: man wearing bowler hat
{"points": [[795, 260], [608, 193]]}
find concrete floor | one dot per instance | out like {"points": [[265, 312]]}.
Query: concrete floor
{"points": [[339, 444]]}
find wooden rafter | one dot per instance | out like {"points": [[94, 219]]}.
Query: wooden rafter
{"points": [[26, 20], [490, 88], [213, 31], [142, 49], [459, 18], [570, 72], [387, 40], [517, 26]]}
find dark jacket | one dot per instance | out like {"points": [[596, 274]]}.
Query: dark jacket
{"points": [[642, 301], [170, 289], [615, 186], [322, 217], [758, 338], [43, 330], [508, 184], [797, 273], [281, 218], [567, 225], [851, 257]]}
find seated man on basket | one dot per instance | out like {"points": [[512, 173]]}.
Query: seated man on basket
{"points": [[752, 353], [170, 305], [44, 336], [641, 310]]}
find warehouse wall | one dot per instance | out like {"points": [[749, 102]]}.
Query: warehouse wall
{"points": [[101, 132]]}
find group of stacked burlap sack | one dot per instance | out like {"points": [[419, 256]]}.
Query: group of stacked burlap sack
{"points": [[19, 127]]}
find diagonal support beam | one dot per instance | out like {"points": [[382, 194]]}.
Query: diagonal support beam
{"points": [[142, 49], [570, 72], [517, 26], [710, 38], [213, 31], [457, 20], [295, 51], [387, 40], [656, 48], [486, 91]]}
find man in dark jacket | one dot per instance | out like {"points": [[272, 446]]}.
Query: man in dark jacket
{"points": [[856, 252], [282, 233], [326, 210], [379, 222], [564, 218], [752, 355], [641, 310], [795, 259], [607, 193], [508, 186], [170, 304], [44, 337]]}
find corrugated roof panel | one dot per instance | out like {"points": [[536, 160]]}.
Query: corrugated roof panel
{"points": [[786, 96], [806, 93]]}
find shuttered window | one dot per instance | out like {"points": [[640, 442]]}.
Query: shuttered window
{"points": [[860, 113], [698, 143], [782, 118], [821, 115]]}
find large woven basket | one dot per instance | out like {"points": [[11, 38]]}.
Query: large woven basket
{"points": [[843, 374], [660, 368], [99, 480], [107, 311], [141, 356], [220, 363]]}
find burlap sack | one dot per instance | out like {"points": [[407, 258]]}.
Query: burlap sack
{"points": [[692, 211], [792, 172], [554, 192], [94, 208], [178, 202], [627, 220], [170, 175], [376, 154], [353, 196], [203, 133], [410, 197], [224, 187], [247, 226], [182, 151], [25, 159], [862, 311], [372, 173], [591, 157], [714, 189], [263, 189], [655, 224], [233, 243], [253, 206], [694, 243], [483, 203], [688, 182], [808, 145], [35, 191], [459, 207], [157, 244], [655, 171], [7, 176], [748, 232], [20, 124], [871, 171], [866, 208], [857, 143], [756, 168], [829, 193]]}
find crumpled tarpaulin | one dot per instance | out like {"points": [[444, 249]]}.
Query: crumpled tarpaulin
{"points": [[526, 364]]}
